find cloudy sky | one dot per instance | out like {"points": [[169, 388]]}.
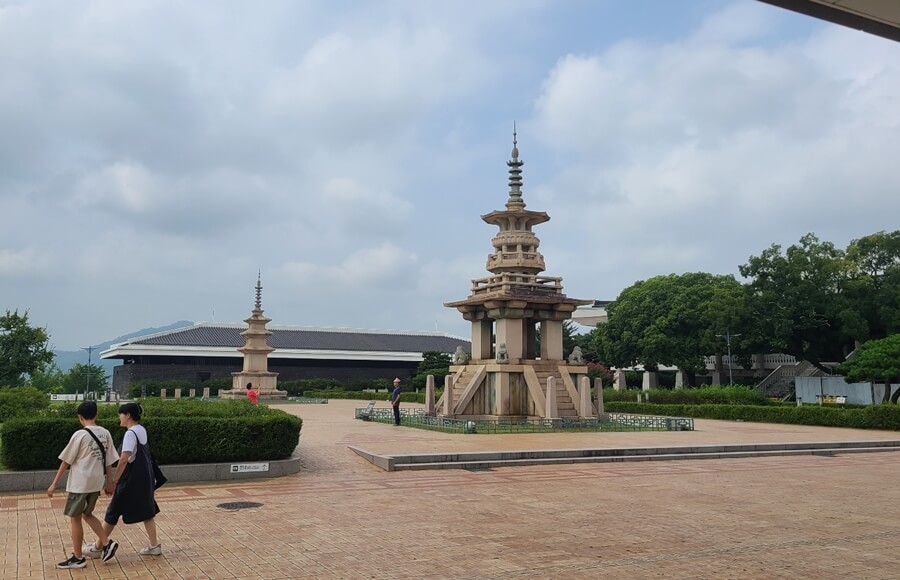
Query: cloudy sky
{"points": [[155, 155]]}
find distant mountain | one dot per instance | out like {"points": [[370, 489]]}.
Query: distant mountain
{"points": [[66, 359]]}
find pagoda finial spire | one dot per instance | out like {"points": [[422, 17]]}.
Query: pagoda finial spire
{"points": [[259, 290], [515, 200]]}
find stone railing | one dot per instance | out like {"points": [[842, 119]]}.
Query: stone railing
{"points": [[770, 361], [509, 283]]}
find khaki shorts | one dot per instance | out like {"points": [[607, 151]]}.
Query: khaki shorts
{"points": [[80, 503]]}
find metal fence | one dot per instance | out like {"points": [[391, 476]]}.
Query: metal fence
{"points": [[611, 422]]}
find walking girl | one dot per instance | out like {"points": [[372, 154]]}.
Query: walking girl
{"points": [[133, 499]]}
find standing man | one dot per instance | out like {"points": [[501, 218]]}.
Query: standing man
{"points": [[395, 401]]}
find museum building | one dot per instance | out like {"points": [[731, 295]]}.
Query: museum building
{"points": [[210, 350]]}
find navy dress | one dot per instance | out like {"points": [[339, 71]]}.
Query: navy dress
{"points": [[133, 499]]}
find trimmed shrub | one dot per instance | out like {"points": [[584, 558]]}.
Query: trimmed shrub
{"points": [[296, 387], [692, 396], [885, 417], [180, 432], [22, 402]]}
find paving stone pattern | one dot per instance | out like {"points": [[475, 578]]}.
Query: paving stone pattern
{"points": [[340, 517]]}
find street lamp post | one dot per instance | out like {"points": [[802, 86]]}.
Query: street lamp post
{"points": [[87, 388], [728, 336]]}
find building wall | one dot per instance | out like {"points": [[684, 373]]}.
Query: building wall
{"points": [[808, 388], [198, 370]]}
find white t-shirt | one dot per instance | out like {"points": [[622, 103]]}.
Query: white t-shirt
{"points": [[87, 473], [129, 443]]}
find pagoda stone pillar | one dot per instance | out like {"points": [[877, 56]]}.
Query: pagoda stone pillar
{"points": [[510, 332], [551, 339], [482, 338]]}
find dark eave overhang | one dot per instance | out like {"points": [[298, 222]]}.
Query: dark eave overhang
{"points": [[881, 18]]}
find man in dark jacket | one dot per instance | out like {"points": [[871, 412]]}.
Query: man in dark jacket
{"points": [[395, 401]]}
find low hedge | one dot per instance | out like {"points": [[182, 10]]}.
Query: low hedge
{"points": [[691, 396], [886, 417], [21, 402], [227, 431]]}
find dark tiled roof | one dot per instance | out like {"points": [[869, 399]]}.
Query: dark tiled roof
{"points": [[203, 335]]}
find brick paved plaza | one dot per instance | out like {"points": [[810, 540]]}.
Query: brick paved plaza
{"points": [[341, 517]]}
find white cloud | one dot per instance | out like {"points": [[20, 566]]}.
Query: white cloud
{"points": [[23, 262], [152, 160], [357, 272], [349, 204], [688, 159]]}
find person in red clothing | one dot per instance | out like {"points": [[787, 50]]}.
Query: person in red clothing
{"points": [[252, 395]]}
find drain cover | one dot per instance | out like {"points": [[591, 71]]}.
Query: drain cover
{"points": [[239, 505]]}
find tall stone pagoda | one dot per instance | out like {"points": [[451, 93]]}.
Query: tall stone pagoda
{"points": [[256, 351], [506, 376]]}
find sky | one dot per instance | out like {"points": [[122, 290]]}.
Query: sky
{"points": [[155, 156]]}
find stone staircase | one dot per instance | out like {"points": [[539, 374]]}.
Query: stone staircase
{"points": [[564, 402], [781, 381]]}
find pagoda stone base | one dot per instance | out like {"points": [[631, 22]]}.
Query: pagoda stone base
{"points": [[263, 382], [485, 389]]}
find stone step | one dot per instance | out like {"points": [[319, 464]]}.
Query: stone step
{"points": [[486, 460]]}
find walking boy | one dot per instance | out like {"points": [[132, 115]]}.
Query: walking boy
{"points": [[89, 454]]}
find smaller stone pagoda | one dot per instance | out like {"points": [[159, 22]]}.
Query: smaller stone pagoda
{"points": [[256, 352]]}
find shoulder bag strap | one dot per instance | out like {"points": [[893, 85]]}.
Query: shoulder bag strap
{"points": [[100, 445]]}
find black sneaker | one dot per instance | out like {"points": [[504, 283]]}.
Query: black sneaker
{"points": [[73, 562], [109, 550]]}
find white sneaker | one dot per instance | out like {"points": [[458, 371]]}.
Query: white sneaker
{"points": [[89, 550], [151, 550]]}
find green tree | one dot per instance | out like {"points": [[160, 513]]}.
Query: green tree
{"points": [[876, 360], [24, 349], [433, 360], [797, 298], [671, 320], [589, 345], [872, 288], [76, 380], [433, 363], [49, 379]]}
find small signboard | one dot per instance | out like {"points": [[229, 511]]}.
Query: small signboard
{"points": [[66, 397], [249, 467]]}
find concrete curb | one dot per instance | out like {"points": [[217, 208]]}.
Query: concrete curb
{"points": [[186, 473], [488, 459]]}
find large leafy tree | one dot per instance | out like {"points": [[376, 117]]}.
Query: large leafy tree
{"points": [[872, 287], [49, 379], [796, 297], [672, 320], [433, 363], [590, 345], [83, 377], [876, 360], [24, 349]]}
